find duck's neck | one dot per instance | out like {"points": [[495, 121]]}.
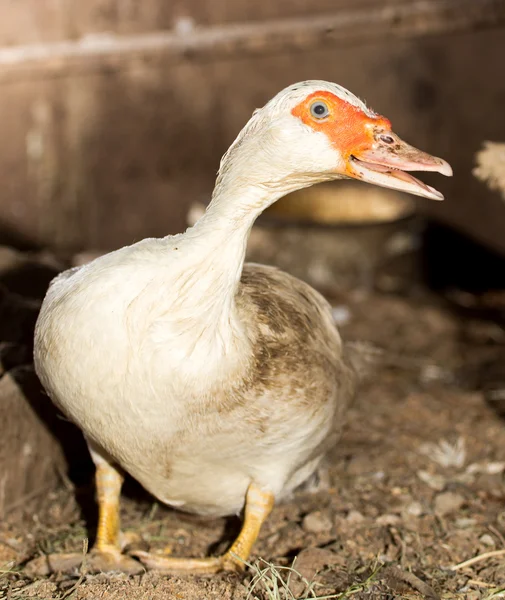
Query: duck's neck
{"points": [[208, 323], [232, 213], [221, 235]]}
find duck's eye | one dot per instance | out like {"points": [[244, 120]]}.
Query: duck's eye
{"points": [[319, 110]]}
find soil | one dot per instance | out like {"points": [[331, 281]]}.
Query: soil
{"points": [[415, 487]]}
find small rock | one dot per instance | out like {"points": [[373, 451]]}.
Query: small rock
{"points": [[448, 502], [8, 555], [388, 520], [355, 516], [316, 522], [309, 562], [414, 509], [487, 540], [465, 523]]}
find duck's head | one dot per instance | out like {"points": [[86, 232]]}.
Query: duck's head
{"points": [[317, 131]]}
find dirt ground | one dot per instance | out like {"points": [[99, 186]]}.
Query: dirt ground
{"points": [[415, 487]]}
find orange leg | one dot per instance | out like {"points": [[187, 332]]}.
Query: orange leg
{"points": [[108, 490], [258, 505], [106, 553]]}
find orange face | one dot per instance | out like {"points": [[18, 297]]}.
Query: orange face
{"points": [[367, 148], [347, 127]]}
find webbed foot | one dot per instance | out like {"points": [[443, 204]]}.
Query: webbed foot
{"points": [[258, 505], [193, 566]]}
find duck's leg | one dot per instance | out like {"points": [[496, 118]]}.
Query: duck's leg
{"points": [[106, 553], [258, 505]]}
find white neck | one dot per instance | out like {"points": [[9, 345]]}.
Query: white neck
{"points": [[219, 240], [203, 312]]}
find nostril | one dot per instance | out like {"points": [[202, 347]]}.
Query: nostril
{"points": [[387, 139]]}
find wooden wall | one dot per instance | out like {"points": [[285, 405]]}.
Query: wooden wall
{"points": [[102, 157]]}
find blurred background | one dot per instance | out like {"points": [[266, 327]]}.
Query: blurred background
{"points": [[114, 116]]}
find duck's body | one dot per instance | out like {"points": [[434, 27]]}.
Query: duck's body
{"points": [[215, 384], [198, 434]]}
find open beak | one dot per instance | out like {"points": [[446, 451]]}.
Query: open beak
{"points": [[386, 164]]}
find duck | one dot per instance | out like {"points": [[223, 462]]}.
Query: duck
{"points": [[219, 386]]}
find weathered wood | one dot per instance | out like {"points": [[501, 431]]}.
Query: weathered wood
{"points": [[36, 21], [32, 21], [105, 52]]}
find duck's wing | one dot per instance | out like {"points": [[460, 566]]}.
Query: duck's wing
{"points": [[283, 310], [282, 306]]}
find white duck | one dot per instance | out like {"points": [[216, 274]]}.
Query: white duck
{"points": [[219, 386]]}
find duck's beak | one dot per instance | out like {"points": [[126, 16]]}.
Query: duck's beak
{"points": [[387, 161]]}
